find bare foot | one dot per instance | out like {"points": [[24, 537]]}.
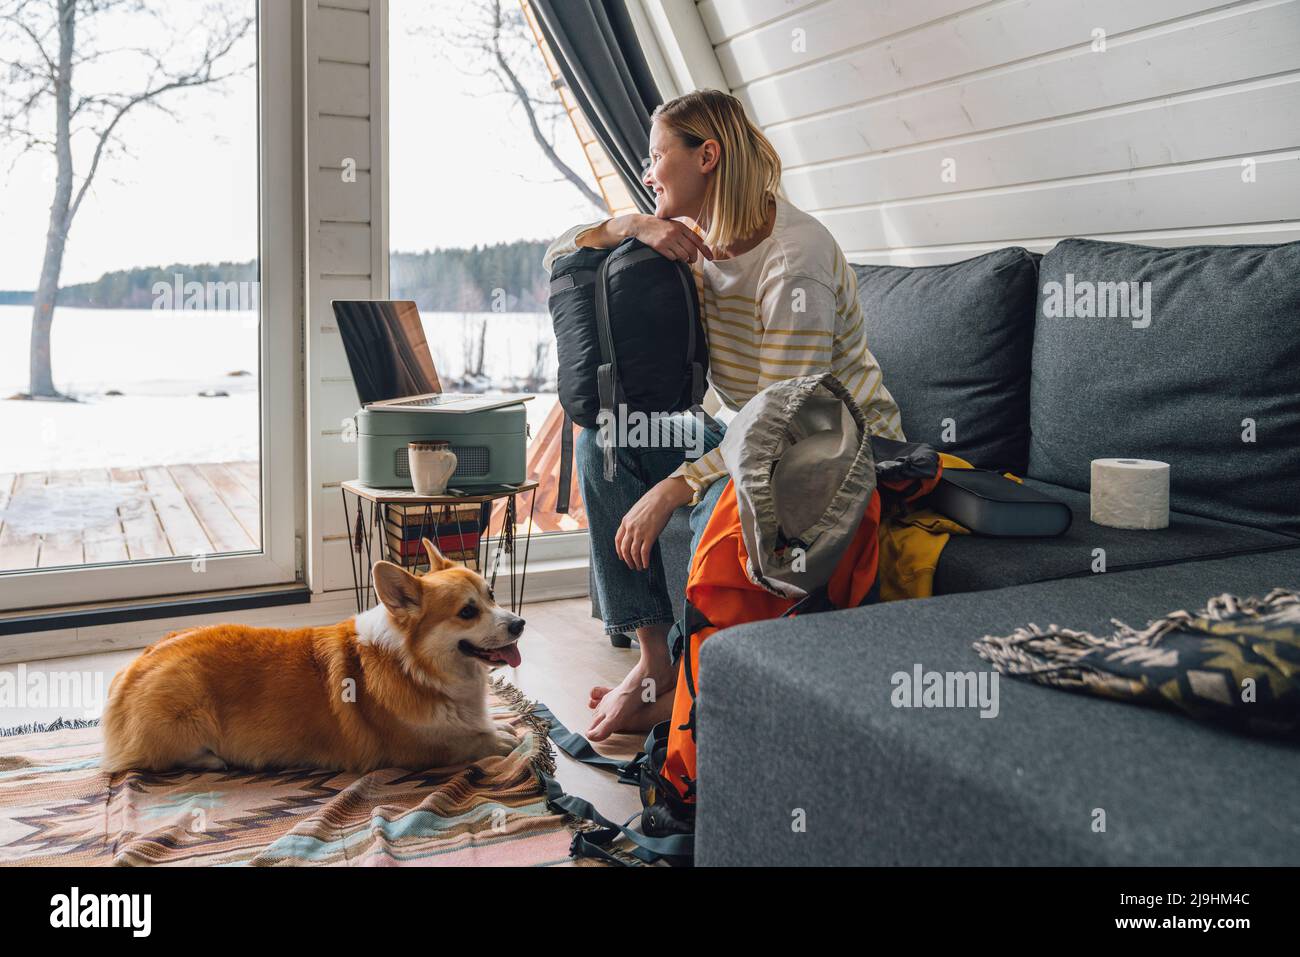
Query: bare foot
{"points": [[641, 700]]}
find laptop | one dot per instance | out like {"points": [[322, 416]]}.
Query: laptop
{"points": [[392, 365]]}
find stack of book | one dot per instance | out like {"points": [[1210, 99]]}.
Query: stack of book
{"points": [[455, 529]]}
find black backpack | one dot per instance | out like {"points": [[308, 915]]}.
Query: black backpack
{"points": [[627, 333]]}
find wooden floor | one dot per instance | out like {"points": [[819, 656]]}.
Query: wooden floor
{"points": [[92, 516], [564, 652]]}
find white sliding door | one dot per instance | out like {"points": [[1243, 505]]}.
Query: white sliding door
{"points": [[147, 332]]}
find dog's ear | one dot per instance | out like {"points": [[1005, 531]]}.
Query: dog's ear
{"points": [[400, 591], [437, 560]]}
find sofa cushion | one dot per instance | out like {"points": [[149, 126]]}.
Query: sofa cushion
{"points": [[1221, 346], [953, 342], [782, 729], [976, 563]]}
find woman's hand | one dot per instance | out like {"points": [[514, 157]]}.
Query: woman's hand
{"points": [[670, 238], [645, 520]]}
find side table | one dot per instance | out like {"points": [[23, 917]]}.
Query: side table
{"points": [[389, 523]]}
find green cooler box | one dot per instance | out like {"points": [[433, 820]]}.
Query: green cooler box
{"points": [[491, 446]]}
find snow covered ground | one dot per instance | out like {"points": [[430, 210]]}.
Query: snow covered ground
{"points": [[160, 361]]}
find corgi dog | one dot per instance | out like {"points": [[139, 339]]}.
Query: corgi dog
{"points": [[401, 685]]}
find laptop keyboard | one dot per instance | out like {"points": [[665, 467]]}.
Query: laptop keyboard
{"points": [[430, 400]]}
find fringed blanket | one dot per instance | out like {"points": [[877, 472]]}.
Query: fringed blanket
{"points": [[57, 807], [1237, 661]]}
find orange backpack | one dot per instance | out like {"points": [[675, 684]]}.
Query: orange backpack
{"points": [[720, 594]]}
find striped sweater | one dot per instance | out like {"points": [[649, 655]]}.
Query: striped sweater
{"points": [[788, 307]]}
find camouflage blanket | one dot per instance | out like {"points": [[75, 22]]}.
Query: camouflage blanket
{"points": [[1235, 662]]}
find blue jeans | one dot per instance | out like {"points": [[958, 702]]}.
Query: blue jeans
{"points": [[631, 599]]}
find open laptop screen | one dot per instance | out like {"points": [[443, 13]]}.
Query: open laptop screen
{"points": [[386, 348]]}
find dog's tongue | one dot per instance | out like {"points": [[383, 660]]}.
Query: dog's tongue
{"points": [[509, 654]]}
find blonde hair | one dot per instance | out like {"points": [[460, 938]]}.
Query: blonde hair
{"points": [[747, 173]]}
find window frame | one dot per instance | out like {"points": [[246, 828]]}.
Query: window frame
{"points": [[567, 548], [278, 560]]}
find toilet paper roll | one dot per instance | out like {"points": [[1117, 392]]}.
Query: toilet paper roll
{"points": [[1130, 493]]}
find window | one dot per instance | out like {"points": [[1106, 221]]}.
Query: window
{"points": [[488, 162], [132, 299]]}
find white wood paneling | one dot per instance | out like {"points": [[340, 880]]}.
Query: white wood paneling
{"points": [[343, 201], [1231, 46], [933, 130], [1254, 234], [345, 55], [986, 38], [341, 139], [1142, 200], [333, 362], [823, 30], [344, 88], [344, 34], [336, 401], [1197, 126], [343, 250], [725, 19]]}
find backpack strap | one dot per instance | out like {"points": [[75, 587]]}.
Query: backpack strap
{"points": [[580, 749], [692, 323], [579, 277], [650, 850], [594, 843], [607, 384], [694, 620], [817, 600], [698, 383], [566, 465]]}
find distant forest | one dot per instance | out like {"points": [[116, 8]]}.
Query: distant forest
{"points": [[505, 277]]}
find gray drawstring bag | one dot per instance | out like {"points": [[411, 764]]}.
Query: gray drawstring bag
{"points": [[800, 457]]}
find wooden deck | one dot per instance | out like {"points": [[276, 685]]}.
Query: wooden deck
{"points": [[98, 516], [93, 516]]}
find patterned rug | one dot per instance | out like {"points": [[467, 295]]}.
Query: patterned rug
{"points": [[57, 807]]}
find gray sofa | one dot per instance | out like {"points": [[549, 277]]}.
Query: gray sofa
{"points": [[797, 722], [797, 715]]}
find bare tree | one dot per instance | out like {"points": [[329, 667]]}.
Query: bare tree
{"points": [[44, 107], [492, 40]]}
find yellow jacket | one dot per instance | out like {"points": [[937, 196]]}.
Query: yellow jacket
{"points": [[911, 541]]}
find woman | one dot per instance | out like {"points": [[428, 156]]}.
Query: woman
{"points": [[778, 300]]}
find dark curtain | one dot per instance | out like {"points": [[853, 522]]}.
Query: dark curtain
{"points": [[602, 63]]}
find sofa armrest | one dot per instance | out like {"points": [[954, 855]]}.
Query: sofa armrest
{"points": [[795, 718]]}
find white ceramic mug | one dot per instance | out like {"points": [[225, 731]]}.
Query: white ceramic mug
{"points": [[431, 465]]}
